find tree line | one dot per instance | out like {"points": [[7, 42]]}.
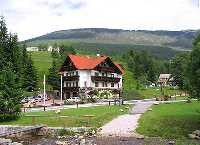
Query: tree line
{"points": [[184, 67]]}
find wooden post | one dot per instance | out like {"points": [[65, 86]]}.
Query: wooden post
{"points": [[109, 103], [77, 105], [33, 120]]}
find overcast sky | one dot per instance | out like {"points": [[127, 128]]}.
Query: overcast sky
{"points": [[31, 18]]}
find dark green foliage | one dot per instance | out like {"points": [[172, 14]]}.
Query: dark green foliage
{"points": [[143, 67], [10, 95], [29, 73], [15, 68], [53, 77], [178, 66], [193, 72]]}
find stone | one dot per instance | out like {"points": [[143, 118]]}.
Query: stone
{"points": [[139, 136], [192, 136], [82, 142], [16, 143], [60, 143], [80, 137], [150, 109], [171, 142], [93, 132], [156, 103], [5, 141], [197, 132]]}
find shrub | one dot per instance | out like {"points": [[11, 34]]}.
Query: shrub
{"points": [[65, 132], [131, 95]]}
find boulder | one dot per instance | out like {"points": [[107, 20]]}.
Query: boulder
{"points": [[139, 136], [192, 136], [60, 143], [4, 141], [156, 103], [196, 132], [171, 142]]}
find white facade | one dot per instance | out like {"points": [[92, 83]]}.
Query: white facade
{"points": [[85, 79]]}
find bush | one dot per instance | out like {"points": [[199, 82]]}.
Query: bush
{"points": [[9, 117], [131, 95], [65, 132]]}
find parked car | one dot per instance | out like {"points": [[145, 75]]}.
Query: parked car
{"points": [[74, 99], [24, 100], [38, 98]]}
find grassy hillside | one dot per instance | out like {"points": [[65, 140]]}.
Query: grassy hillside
{"points": [[42, 62]]}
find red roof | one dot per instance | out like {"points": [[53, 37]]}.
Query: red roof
{"points": [[88, 62]]}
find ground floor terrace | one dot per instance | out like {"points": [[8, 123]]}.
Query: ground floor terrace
{"points": [[85, 92]]}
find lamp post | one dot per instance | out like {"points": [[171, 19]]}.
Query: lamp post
{"points": [[61, 87], [44, 103]]}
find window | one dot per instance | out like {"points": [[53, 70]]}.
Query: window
{"points": [[96, 74], [112, 75], [104, 84], [106, 74], [73, 84], [112, 84], [96, 84], [69, 84], [103, 74], [76, 84], [85, 84], [67, 74], [76, 73]]}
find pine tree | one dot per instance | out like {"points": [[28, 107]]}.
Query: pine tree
{"points": [[193, 71], [53, 77]]}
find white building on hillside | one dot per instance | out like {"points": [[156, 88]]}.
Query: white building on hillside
{"points": [[32, 49], [83, 74]]}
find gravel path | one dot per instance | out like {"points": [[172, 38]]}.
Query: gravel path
{"points": [[125, 125]]}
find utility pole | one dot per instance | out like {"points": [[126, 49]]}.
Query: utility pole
{"points": [[61, 88], [44, 95]]}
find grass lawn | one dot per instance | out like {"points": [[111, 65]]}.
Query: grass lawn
{"points": [[153, 92], [175, 120], [102, 115]]}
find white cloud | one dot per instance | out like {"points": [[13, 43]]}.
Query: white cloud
{"points": [[30, 18]]}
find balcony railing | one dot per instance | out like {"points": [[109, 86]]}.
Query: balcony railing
{"points": [[105, 69], [71, 78], [105, 79]]}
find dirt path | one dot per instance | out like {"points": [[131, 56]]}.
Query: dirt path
{"points": [[125, 125]]}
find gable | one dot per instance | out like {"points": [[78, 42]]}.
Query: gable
{"points": [[109, 66]]}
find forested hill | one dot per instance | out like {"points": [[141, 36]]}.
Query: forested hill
{"points": [[178, 39]]}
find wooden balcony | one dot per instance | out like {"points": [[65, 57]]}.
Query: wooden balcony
{"points": [[71, 78], [71, 89], [105, 79]]}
